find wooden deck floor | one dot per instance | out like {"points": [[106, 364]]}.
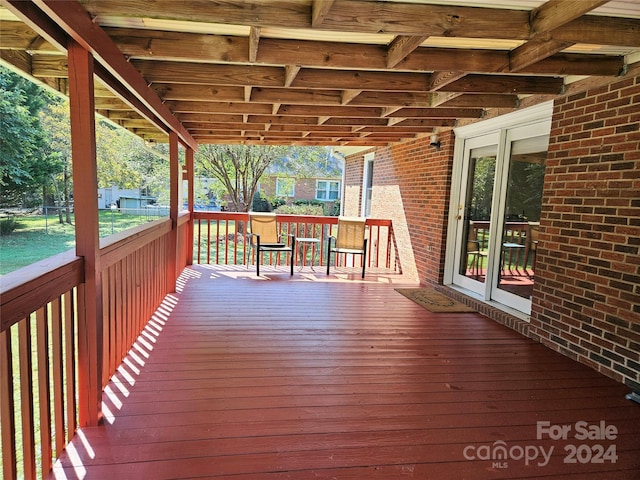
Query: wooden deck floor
{"points": [[320, 378]]}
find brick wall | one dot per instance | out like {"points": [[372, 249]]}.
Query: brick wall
{"points": [[411, 187], [586, 302], [353, 172], [587, 293]]}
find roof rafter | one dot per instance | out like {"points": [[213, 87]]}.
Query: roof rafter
{"points": [[544, 20], [337, 71], [74, 20]]}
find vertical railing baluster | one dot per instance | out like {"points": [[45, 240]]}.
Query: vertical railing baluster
{"points": [[44, 391], [209, 240], [26, 398], [7, 415], [226, 242], [70, 361], [199, 240], [58, 379], [235, 244]]}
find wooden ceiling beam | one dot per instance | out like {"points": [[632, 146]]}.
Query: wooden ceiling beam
{"points": [[218, 93], [554, 14], [347, 96], [357, 16], [599, 30], [74, 20], [319, 10], [578, 64], [283, 120], [297, 96], [254, 41], [19, 36], [230, 75], [544, 20], [534, 51], [426, 122], [189, 47], [258, 13], [210, 74], [401, 47], [211, 117], [290, 73], [389, 111], [499, 100], [439, 80], [329, 111], [242, 108], [514, 84], [440, 98], [20, 60], [361, 80], [439, 112]]}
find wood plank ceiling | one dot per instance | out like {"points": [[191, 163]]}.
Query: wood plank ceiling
{"points": [[334, 72]]}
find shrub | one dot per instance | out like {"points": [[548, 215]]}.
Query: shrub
{"points": [[277, 202], [260, 203], [300, 210], [317, 203], [8, 225], [332, 209]]}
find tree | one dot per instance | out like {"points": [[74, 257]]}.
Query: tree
{"points": [[116, 151], [24, 164], [239, 167], [55, 121]]}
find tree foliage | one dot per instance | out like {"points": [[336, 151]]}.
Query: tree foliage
{"points": [[24, 163], [239, 167]]}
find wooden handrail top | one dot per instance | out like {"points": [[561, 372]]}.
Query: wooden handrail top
{"points": [[29, 288], [115, 247], [283, 218]]}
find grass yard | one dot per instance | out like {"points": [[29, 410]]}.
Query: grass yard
{"points": [[37, 238]]}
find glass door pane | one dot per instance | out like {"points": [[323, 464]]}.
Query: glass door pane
{"points": [[523, 203], [474, 244]]}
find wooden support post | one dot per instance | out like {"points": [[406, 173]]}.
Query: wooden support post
{"points": [[191, 201], [174, 178], [85, 192]]}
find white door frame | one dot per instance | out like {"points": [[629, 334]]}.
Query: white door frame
{"points": [[366, 172], [504, 129]]}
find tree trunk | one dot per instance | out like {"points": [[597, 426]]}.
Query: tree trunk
{"points": [[67, 203], [57, 199]]}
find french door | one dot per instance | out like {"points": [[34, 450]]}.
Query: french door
{"points": [[495, 219]]}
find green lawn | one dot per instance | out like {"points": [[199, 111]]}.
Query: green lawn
{"points": [[37, 238]]}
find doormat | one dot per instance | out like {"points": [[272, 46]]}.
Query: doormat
{"points": [[434, 301]]}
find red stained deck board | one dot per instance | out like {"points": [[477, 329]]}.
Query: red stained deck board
{"points": [[315, 377]]}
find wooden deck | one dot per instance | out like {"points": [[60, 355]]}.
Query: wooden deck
{"points": [[316, 377]]}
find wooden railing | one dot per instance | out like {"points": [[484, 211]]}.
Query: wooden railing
{"points": [[39, 330], [134, 266], [41, 326], [40, 336], [221, 238]]}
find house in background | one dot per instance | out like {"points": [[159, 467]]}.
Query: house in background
{"points": [[320, 181], [111, 195]]}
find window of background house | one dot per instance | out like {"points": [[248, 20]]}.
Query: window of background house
{"points": [[285, 187], [327, 190]]}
